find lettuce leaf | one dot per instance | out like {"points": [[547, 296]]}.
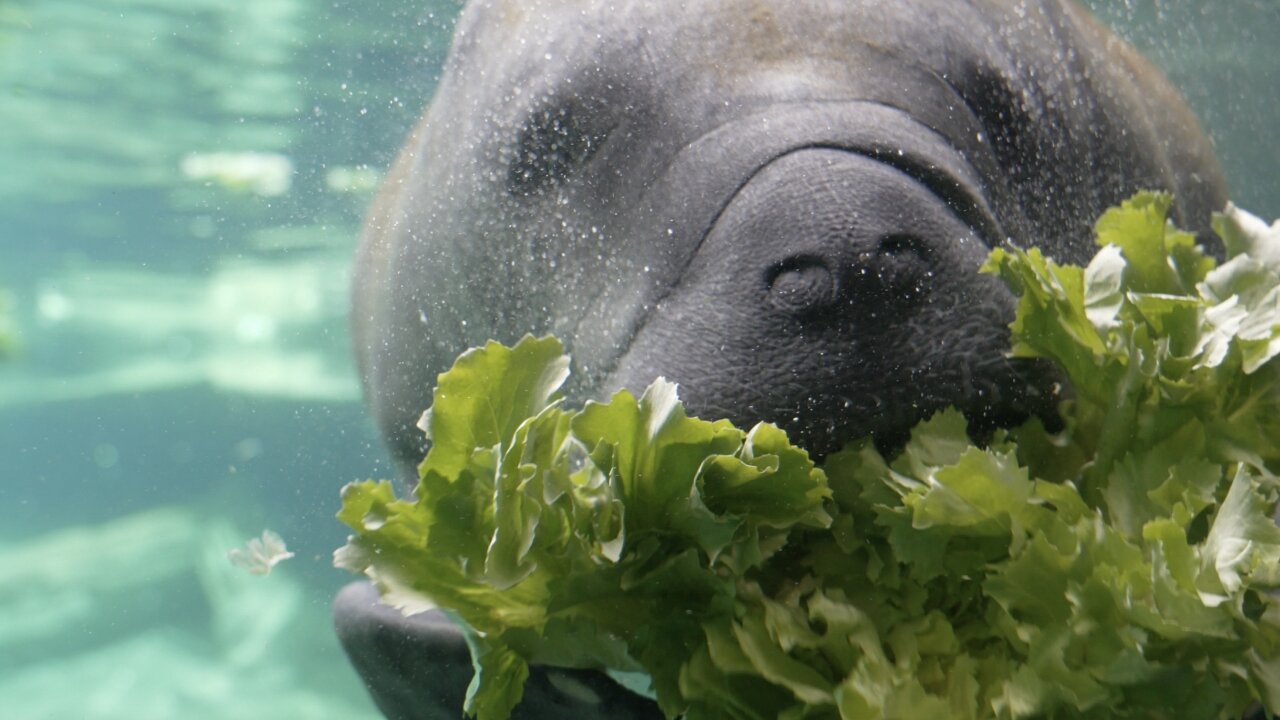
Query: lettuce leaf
{"points": [[1122, 567]]}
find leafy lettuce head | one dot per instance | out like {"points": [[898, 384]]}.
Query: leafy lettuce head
{"points": [[1120, 567]]}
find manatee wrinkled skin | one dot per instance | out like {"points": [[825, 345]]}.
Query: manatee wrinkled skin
{"points": [[780, 205]]}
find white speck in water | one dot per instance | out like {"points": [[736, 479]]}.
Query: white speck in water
{"points": [[247, 449], [105, 455], [53, 306]]}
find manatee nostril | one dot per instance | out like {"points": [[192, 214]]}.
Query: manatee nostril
{"points": [[801, 285], [899, 269]]}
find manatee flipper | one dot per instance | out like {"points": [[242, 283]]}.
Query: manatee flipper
{"points": [[418, 668]]}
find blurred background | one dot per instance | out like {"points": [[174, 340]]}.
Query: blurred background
{"points": [[181, 186]]}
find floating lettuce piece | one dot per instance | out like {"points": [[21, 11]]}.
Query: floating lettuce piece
{"points": [[1123, 567], [260, 554]]}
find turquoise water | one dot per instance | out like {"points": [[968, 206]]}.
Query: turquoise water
{"points": [[181, 183]]}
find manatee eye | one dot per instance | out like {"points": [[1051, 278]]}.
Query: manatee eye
{"points": [[552, 143], [801, 285]]}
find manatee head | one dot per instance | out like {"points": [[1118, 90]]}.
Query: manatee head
{"points": [[781, 205]]}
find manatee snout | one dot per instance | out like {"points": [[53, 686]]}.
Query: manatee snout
{"points": [[838, 295], [836, 231]]}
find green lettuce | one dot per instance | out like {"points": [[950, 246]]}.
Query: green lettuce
{"points": [[1120, 567]]}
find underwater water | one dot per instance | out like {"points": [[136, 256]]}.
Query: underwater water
{"points": [[181, 185]]}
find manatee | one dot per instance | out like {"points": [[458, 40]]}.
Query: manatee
{"points": [[781, 205]]}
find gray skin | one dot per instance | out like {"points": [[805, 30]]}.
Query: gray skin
{"points": [[780, 205]]}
